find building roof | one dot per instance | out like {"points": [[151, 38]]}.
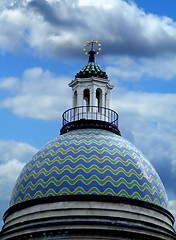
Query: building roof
{"points": [[89, 162], [91, 69]]}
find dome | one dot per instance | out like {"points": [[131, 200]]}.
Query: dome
{"points": [[89, 162], [91, 69]]}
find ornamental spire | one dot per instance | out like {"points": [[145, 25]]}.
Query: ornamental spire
{"points": [[92, 47]]}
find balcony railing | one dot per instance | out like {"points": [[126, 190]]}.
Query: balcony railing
{"points": [[89, 116]]}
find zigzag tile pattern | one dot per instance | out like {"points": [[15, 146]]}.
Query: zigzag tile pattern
{"points": [[92, 162]]}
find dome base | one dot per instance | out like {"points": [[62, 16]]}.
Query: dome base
{"points": [[87, 217], [94, 124]]}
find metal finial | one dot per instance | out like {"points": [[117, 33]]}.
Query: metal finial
{"points": [[93, 48]]}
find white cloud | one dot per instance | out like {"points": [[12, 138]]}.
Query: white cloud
{"points": [[11, 84], [5, 3], [13, 157], [60, 27], [8, 174], [128, 68], [99, 3], [150, 106], [11, 150], [172, 208], [40, 96]]}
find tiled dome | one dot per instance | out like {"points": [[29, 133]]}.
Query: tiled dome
{"points": [[89, 162], [91, 69]]}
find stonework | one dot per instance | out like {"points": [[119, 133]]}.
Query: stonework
{"points": [[78, 219]]}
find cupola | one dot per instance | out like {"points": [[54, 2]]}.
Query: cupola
{"points": [[91, 94]]}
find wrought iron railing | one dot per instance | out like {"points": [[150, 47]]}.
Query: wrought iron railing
{"points": [[90, 113]]}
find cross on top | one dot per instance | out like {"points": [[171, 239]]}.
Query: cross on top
{"points": [[92, 47]]}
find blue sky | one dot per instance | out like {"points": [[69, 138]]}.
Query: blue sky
{"points": [[41, 43]]}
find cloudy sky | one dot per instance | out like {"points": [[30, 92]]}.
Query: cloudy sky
{"points": [[41, 43]]}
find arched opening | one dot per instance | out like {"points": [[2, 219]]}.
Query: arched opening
{"points": [[86, 97], [106, 100], [75, 104], [75, 99], [99, 98], [106, 104]]}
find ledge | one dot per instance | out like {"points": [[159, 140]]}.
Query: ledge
{"points": [[83, 124], [90, 117]]}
